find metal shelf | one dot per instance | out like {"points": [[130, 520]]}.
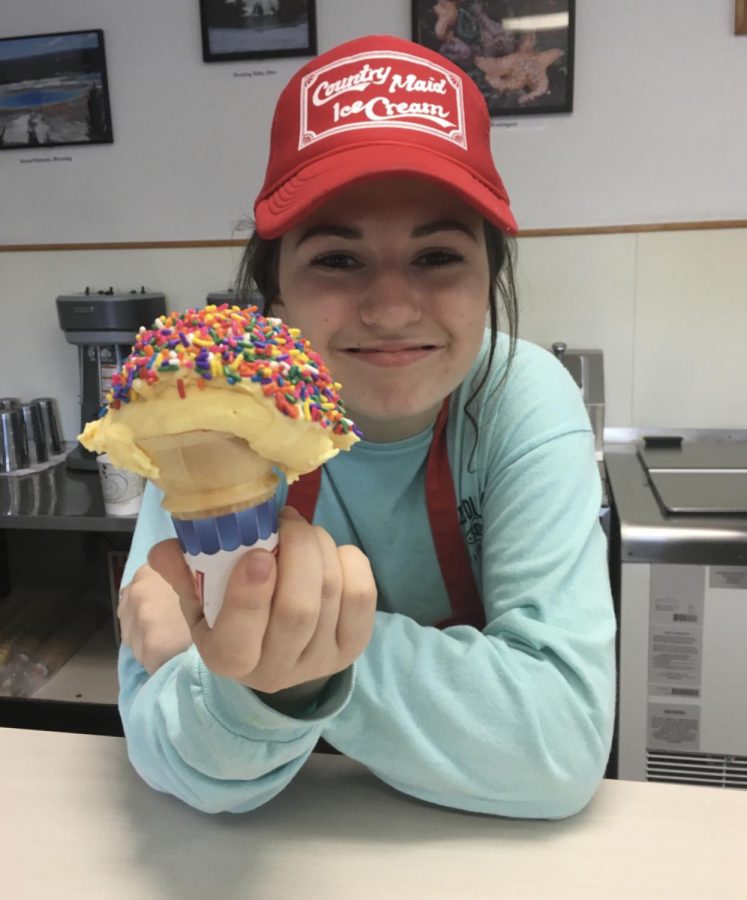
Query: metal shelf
{"points": [[81, 697], [57, 499], [89, 676]]}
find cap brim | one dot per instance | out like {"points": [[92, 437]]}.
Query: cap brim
{"points": [[311, 187]]}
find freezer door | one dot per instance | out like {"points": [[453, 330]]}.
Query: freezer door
{"points": [[683, 709]]}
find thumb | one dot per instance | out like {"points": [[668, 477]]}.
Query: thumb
{"points": [[256, 567]]}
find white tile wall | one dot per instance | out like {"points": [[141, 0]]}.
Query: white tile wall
{"points": [[581, 290], [691, 329], [669, 310]]}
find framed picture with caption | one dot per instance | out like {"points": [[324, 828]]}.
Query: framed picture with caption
{"points": [[53, 90], [257, 29], [518, 52], [740, 16]]}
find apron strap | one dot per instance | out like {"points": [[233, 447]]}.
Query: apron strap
{"points": [[303, 494], [451, 550], [448, 540]]}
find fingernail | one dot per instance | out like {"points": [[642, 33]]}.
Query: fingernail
{"points": [[257, 566]]}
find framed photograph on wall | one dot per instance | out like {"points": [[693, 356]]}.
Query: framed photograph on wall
{"points": [[740, 16], [53, 90], [257, 29], [519, 52]]}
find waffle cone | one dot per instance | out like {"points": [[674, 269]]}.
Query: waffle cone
{"points": [[208, 473]]}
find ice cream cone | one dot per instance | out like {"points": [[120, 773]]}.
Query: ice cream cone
{"points": [[208, 473], [221, 496], [209, 405]]}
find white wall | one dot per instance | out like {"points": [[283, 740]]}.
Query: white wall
{"points": [[669, 310], [657, 134]]}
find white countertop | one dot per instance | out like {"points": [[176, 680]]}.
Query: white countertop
{"points": [[77, 822]]}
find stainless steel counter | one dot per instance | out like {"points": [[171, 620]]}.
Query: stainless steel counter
{"points": [[650, 533], [57, 498]]}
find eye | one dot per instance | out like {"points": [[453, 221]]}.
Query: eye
{"points": [[438, 258], [335, 260]]}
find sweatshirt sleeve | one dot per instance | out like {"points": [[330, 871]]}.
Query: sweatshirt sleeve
{"points": [[207, 740], [516, 720]]}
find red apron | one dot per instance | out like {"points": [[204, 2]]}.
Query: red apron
{"points": [[440, 498]]}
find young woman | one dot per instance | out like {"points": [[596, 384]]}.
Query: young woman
{"points": [[446, 620]]}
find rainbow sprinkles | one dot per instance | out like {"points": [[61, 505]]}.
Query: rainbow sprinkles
{"points": [[235, 344]]}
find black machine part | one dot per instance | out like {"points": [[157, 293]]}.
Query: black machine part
{"points": [[99, 317]]}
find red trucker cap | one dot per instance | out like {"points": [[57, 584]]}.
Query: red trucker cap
{"points": [[373, 106]]}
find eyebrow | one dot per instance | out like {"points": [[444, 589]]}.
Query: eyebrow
{"points": [[443, 225], [341, 231], [352, 234]]}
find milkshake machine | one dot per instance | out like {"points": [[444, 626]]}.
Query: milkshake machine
{"points": [[103, 325]]}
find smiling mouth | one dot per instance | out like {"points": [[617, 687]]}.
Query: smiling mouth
{"points": [[391, 348], [392, 355]]}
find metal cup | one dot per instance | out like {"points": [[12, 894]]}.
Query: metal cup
{"points": [[32, 420], [50, 415], [24, 495], [14, 448], [9, 403], [8, 499]]}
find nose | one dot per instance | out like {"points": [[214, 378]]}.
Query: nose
{"points": [[391, 302]]}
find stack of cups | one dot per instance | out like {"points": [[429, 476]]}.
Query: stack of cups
{"points": [[50, 423], [30, 438], [14, 445], [29, 433]]}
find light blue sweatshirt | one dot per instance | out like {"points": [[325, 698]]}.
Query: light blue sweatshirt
{"points": [[515, 720]]}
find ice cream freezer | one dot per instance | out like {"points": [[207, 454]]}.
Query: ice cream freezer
{"points": [[679, 571]]}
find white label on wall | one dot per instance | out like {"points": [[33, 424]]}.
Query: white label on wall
{"points": [[508, 124], [44, 159], [255, 73]]}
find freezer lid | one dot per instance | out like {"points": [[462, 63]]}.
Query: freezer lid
{"points": [[729, 455], [698, 479], [704, 492], [648, 532]]}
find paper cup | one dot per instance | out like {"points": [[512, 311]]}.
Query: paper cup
{"points": [[122, 490], [212, 547]]}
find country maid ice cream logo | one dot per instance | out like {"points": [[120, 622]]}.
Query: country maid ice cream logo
{"points": [[379, 90]]}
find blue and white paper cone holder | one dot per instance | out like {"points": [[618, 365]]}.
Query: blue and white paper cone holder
{"points": [[212, 547]]}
